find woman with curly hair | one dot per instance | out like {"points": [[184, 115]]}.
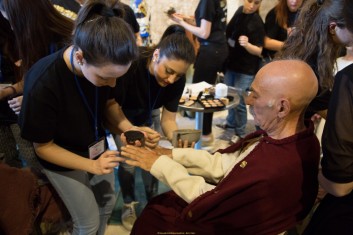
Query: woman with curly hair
{"points": [[334, 214], [315, 42], [39, 30]]}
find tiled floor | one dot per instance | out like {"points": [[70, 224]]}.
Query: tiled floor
{"points": [[222, 138]]}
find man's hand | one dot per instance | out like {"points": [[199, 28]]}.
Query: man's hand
{"points": [[140, 157]]}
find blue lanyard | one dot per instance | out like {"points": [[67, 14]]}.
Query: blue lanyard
{"points": [[149, 96], [52, 48], [94, 116]]}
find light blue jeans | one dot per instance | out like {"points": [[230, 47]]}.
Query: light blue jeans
{"points": [[238, 117], [90, 199]]}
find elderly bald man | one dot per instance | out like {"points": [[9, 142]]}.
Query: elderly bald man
{"points": [[264, 184]]}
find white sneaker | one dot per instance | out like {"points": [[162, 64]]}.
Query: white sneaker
{"points": [[128, 215], [207, 140], [234, 139]]}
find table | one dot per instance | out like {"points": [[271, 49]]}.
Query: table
{"points": [[200, 110]]}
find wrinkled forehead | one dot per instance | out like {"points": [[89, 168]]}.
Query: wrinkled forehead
{"points": [[267, 83]]}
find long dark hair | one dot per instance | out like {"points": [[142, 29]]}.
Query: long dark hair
{"points": [[8, 51], [103, 35], [311, 40], [174, 44], [348, 14], [7, 40], [37, 27]]}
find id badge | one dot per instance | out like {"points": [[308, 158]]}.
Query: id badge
{"points": [[111, 142], [231, 42], [96, 148]]}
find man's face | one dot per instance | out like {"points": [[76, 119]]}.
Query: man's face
{"points": [[262, 105]]}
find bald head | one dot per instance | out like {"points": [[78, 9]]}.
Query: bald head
{"points": [[279, 95], [290, 79]]}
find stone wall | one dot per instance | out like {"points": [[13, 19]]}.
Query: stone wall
{"points": [[159, 20]]}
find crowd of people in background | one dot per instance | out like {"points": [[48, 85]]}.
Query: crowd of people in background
{"points": [[76, 73]]}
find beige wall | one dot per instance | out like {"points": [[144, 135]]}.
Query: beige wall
{"points": [[159, 20]]}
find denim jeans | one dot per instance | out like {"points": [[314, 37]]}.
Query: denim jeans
{"points": [[238, 117], [90, 199]]}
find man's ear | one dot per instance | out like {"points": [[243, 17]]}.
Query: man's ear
{"points": [[283, 108]]}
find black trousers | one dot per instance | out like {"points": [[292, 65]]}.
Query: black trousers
{"points": [[334, 216], [209, 61]]}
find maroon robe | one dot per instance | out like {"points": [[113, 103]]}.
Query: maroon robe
{"points": [[269, 192]]}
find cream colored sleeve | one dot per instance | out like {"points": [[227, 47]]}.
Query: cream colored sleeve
{"points": [[187, 172], [178, 179], [200, 162]]}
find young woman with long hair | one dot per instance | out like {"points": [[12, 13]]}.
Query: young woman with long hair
{"points": [[313, 41]]}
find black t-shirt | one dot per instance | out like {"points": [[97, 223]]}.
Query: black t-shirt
{"points": [[275, 31], [139, 93], [321, 100], [252, 26], [7, 75], [53, 109], [211, 11], [337, 138], [7, 45]]}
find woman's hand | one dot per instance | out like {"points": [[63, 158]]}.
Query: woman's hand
{"points": [[290, 30], [140, 157], [177, 18], [190, 20], [243, 41], [106, 163], [152, 137], [185, 144], [15, 104]]}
